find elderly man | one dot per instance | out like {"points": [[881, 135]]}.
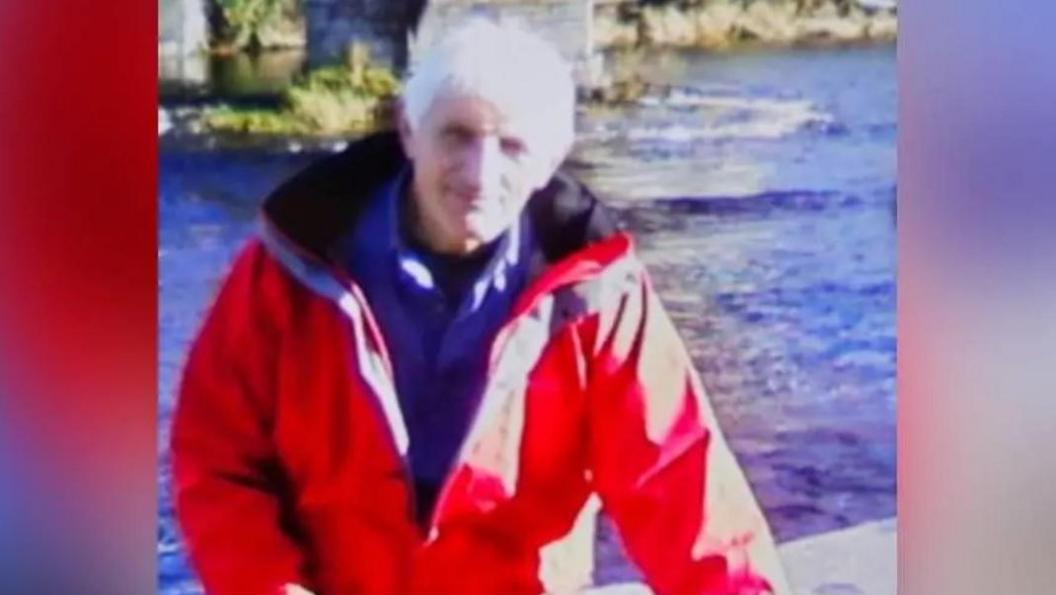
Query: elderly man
{"points": [[435, 351]]}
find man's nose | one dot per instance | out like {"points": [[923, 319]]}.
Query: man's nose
{"points": [[481, 167]]}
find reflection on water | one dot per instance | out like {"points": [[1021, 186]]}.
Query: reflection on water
{"points": [[773, 252]]}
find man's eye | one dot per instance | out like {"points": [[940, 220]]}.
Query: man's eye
{"points": [[457, 135], [511, 146]]}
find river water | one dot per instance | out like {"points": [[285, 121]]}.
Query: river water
{"points": [[761, 191]]}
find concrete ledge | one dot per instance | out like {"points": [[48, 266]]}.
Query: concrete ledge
{"points": [[860, 560]]}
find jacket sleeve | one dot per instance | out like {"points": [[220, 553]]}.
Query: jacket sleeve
{"points": [[681, 504], [226, 479]]}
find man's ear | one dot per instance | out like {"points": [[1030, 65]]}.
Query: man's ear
{"points": [[403, 127]]}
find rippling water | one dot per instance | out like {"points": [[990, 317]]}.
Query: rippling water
{"points": [[761, 192]]}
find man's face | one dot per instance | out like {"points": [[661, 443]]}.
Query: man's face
{"points": [[474, 170]]}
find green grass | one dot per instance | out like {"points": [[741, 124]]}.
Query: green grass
{"points": [[330, 101]]}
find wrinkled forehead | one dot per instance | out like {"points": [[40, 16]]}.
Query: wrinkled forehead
{"points": [[507, 110], [475, 112]]}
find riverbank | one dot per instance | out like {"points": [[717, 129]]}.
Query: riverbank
{"points": [[333, 102], [720, 25], [860, 560], [348, 99]]}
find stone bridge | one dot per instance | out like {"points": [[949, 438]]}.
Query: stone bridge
{"points": [[387, 26]]}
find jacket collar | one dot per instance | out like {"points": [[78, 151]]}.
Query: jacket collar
{"points": [[314, 208]]}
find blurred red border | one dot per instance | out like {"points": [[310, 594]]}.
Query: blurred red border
{"points": [[78, 306]]}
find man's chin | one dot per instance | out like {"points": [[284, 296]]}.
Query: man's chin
{"points": [[483, 234]]}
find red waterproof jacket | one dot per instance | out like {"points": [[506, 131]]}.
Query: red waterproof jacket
{"points": [[288, 443]]}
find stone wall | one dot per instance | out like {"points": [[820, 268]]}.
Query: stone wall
{"points": [[379, 24], [384, 25], [721, 24], [183, 33], [182, 26]]}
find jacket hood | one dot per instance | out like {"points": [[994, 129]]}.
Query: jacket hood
{"points": [[314, 208]]}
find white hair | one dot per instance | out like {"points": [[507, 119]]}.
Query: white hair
{"points": [[522, 74]]}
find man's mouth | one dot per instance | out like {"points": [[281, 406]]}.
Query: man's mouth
{"points": [[469, 200]]}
